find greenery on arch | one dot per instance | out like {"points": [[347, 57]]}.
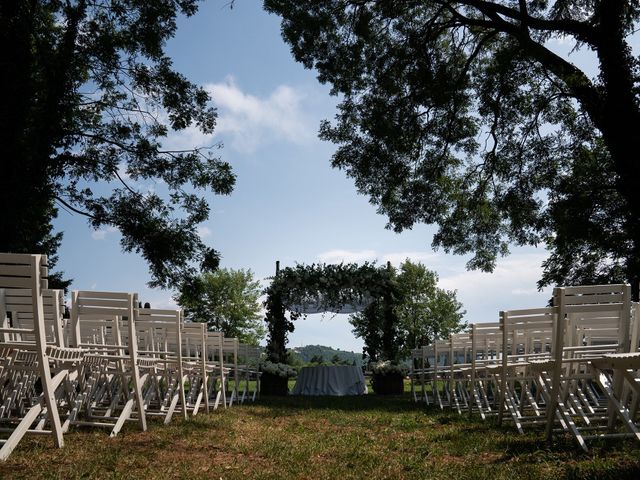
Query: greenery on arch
{"points": [[323, 287]]}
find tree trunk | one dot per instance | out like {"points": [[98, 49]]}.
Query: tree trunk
{"points": [[24, 191], [620, 123]]}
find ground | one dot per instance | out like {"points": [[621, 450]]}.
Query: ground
{"points": [[316, 438]]}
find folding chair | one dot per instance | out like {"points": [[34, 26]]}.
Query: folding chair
{"points": [[418, 373], [486, 341], [249, 372], [601, 312], [194, 347], [441, 373], [230, 355], [460, 370], [526, 341], [103, 324], [26, 362], [217, 370], [159, 334]]}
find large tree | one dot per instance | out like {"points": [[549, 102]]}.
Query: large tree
{"points": [[426, 311], [461, 114], [418, 313], [88, 97], [227, 301]]}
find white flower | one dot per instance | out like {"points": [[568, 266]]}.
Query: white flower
{"points": [[387, 368], [279, 369]]}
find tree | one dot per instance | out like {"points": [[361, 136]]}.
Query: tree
{"points": [[317, 359], [426, 311], [88, 97], [380, 336], [416, 314], [460, 114], [377, 324], [227, 301]]}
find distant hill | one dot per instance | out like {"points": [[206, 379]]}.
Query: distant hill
{"points": [[327, 353]]}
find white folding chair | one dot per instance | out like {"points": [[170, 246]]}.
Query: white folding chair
{"points": [[486, 341], [601, 312], [159, 334], [103, 324], [526, 341], [230, 355], [217, 370], [194, 346], [26, 361], [249, 356]]}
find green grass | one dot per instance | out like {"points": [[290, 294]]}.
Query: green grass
{"points": [[321, 438]]}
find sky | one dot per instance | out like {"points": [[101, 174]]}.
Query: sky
{"points": [[288, 203]]}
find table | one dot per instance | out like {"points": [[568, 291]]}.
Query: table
{"points": [[330, 380]]}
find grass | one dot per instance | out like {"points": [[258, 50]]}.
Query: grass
{"points": [[316, 438]]}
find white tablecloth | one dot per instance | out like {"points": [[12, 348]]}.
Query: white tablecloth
{"points": [[330, 380]]}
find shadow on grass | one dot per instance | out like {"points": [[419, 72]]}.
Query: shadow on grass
{"points": [[390, 403]]}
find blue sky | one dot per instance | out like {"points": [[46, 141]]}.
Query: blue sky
{"points": [[288, 204]]}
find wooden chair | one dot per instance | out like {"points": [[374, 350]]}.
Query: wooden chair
{"points": [[26, 361], [103, 324], [460, 347], [441, 373], [159, 334], [194, 346], [418, 372], [217, 370], [601, 313], [526, 341], [230, 354], [486, 342], [249, 358]]}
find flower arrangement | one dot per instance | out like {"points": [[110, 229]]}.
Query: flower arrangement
{"points": [[388, 377], [388, 368], [278, 369]]}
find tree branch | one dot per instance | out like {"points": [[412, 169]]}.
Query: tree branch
{"points": [[581, 30], [74, 209]]}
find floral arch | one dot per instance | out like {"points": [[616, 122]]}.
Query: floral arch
{"points": [[338, 288]]}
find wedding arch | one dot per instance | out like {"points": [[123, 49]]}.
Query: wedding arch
{"points": [[337, 288]]}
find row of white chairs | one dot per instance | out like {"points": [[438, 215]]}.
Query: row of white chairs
{"points": [[111, 362], [572, 368]]}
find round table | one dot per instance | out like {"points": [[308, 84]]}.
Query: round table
{"points": [[330, 380]]}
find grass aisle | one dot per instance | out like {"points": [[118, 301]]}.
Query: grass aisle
{"points": [[320, 438]]}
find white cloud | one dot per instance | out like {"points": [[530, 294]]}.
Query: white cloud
{"points": [[102, 233], [512, 285], [162, 302], [396, 258], [524, 291], [246, 121], [561, 40], [122, 172], [250, 121], [347, 256], [204, 232]]}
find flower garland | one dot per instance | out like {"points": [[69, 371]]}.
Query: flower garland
{"points": [[279, 369], [325, 287]]}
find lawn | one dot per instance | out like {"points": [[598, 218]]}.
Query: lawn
{"points": [[316, 438]]}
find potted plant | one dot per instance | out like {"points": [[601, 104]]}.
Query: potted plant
{"points": [[388, 378], [275, 378]]}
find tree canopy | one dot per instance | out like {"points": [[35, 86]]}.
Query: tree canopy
{"points": [[421, 312], [426, 311], [227, 301], [89, 97], [462, 114]]}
